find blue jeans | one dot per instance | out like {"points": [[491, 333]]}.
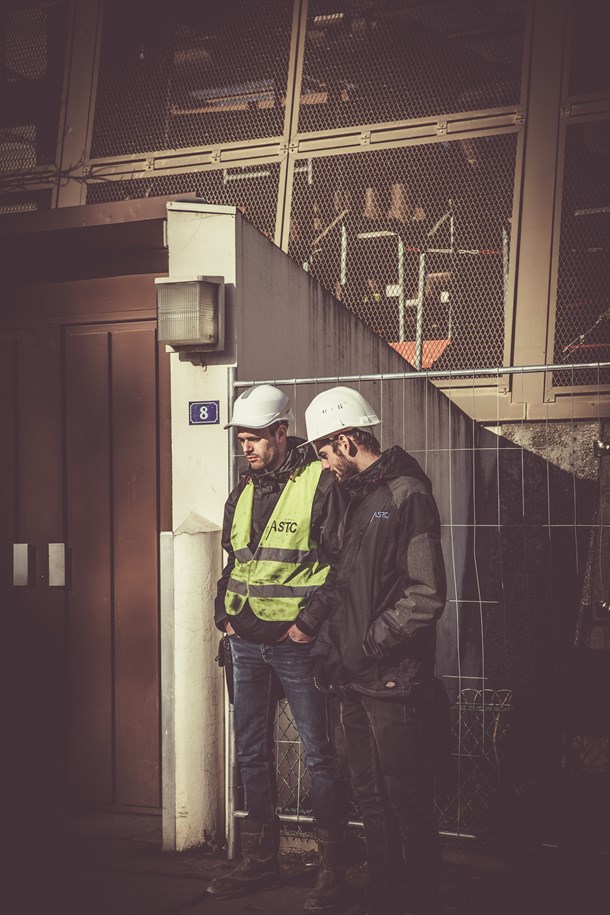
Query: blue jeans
{"points": [[256, 669], [393, 787]]}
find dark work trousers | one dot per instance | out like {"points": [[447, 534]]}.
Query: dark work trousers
{"points": [[392, 783]]}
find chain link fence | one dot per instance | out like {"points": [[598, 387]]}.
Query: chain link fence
{"points": [[393, 60], [416, 242], [33, 52], [526, 540], [26, 202], [189, 74], [417, 238], [589, 62], [582, 326], [253, 189]]}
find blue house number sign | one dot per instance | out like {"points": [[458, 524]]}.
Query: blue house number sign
{"points": [[204, 412]]}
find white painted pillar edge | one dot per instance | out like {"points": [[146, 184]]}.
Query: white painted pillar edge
{"points": [[191, 687]]}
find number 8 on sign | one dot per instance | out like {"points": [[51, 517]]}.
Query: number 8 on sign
{"points": [[204, 412]]}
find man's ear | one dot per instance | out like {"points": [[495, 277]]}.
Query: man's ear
{"points": [[345, 443], [281, 432]]}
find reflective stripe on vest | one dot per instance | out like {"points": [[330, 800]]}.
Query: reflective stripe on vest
{"points": [[285, 569]]}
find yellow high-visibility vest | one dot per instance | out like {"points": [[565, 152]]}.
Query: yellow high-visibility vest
{"points": [[284, 570]]}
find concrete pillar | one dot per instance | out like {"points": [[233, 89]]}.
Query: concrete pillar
{"points": [[192, 687], [201, 241]]}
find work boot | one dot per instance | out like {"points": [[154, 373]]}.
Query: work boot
{"points": [[258, 867], [423, 871], [331, 893], [376, 902]]}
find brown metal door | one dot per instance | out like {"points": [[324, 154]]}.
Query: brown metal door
{"points": [[86, 463], [113, 519], [33, 467]]}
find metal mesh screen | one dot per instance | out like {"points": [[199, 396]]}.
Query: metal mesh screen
{"points": [[33, 54], [254, 189], [463, 799], [26, 202], [480, 732], [590, 70], [189, 74], [294, 781], [588, 755], [393, 60], [416, 242], [582, 329]]}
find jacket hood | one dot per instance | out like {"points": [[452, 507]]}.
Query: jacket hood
{"points": [[395, 462]]}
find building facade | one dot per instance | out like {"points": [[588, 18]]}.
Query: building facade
{"points": [[441, 167]]}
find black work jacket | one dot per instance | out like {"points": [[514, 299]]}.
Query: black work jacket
{"points": [[389, 586], [328, 507]]}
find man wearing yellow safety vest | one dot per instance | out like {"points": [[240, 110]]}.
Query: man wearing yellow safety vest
{"points": [[280, 536]]}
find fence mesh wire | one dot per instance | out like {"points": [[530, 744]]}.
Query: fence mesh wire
{"points": [[526, 540], [393, 60], [33, 51], [416, 242], [253, 189], [582, 329], [26, 202], [191, 74], [590, 63]]}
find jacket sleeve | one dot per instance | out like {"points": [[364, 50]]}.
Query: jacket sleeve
{"points": [[329, 507], [424, 588], [220, 614]]}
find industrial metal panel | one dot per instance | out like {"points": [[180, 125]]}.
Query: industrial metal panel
{"points": [[251, 188], [33, 40], [185, 74], [416, 241], [89, 533], [590, 61], [582, 319], [390, 60], [135, 564], [20, 201]]}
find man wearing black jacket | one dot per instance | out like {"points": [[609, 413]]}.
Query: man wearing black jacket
{"points": [[280, 536], [386, 595]]}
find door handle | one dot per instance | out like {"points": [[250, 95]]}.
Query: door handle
{"points": [[57, 565], [23, 565]]}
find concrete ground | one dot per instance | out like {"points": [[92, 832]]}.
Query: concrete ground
{"points": [[113, 865]]}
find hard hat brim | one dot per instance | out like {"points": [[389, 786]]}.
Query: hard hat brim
{"points": [[345, 429], [241, 425]]}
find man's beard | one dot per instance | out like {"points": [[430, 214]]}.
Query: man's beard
{"points": [[345, 469]]}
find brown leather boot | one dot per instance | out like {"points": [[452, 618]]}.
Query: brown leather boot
{"points": [[258, 867], [331, 893]]}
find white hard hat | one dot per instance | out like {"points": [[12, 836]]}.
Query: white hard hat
{"points": [[337, 409], [259, 407]]}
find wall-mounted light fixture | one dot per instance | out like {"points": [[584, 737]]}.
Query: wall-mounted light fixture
{"points": [[191, 313]]}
